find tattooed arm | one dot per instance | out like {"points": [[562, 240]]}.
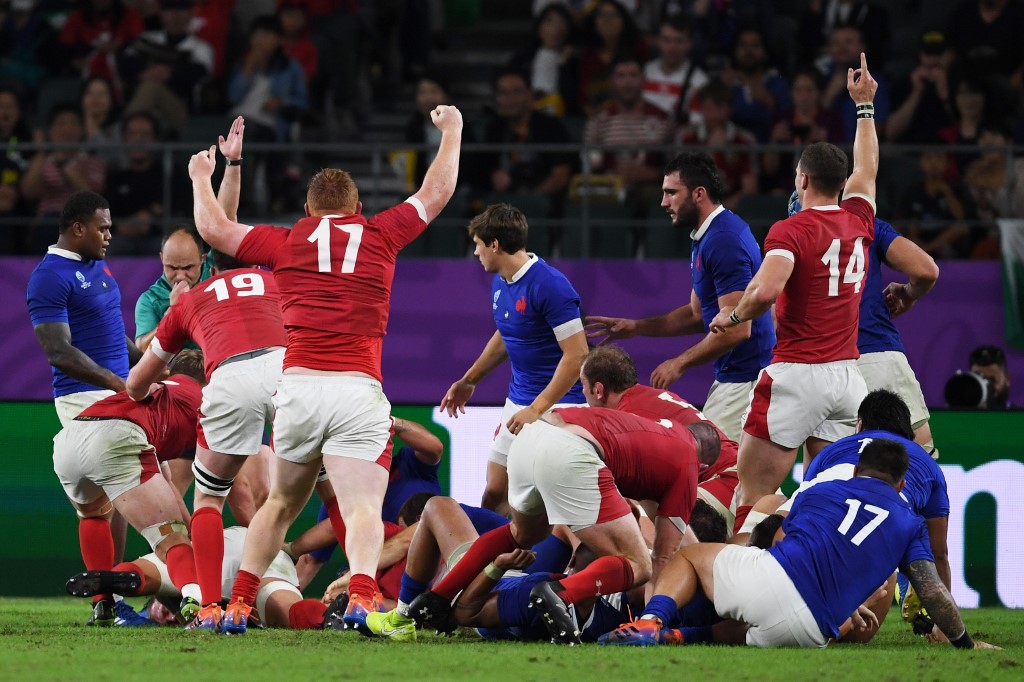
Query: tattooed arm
{"points": [[940, 605]]}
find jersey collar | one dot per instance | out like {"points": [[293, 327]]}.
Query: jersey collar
{"points": [[699, 232], [830, 207], [64, 253], [521, 272]]}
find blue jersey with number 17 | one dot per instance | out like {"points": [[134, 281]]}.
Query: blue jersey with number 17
{"points": [[843, 540], [533, 312]]}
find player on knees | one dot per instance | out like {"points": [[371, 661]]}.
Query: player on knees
{"points": [[540, 331], [108, 458]]}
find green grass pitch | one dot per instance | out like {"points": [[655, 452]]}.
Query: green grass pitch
{"points": [[45, 639]]}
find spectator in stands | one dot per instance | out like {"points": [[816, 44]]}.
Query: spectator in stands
{"points": [[628, 119], [609, 32], [13, 130], [431, 92], [94, 35], [996, 180], [135, 190], [27, 46], [738, 170], [52, 177], [936, 209], [985, 37], [804, 124], [167, 69], [845, 47], [760, 94], [552, 63], [672, 80], [516, 122], [295, 36], [971, 111], [923, 103], [821, 17], [100, 115]]}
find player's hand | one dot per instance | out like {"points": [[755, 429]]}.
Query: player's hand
{"points": [[339, 585], [722, 322], [611, 328], [897, 299], [231, 146], [667, 373], [454, 401], [177, 290], [447, 118], [527, 415], [201, 165], [864, 619], [516, 559], [860, 84]]}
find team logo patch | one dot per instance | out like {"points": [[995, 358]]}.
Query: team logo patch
{"points": [[494, 304], [521, 305], [81, 278]]}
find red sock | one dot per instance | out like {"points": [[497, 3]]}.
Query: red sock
{"points": [[307, 614], [134, 568], [208, 547], [336, 521], [741, 516], [246, 586], [605, 575], [484, 550], [181, 565], [362, 585], [97, 546]]}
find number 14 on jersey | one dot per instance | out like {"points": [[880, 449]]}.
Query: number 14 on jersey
{"points": [[855, 267], [322, 235]]}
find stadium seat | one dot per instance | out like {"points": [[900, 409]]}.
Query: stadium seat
{"points": [[664, 241], [610, 228], [761, 211]]}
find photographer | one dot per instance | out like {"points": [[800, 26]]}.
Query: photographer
{"points": [[985, 386]]}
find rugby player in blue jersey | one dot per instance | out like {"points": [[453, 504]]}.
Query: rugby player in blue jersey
{"points": [[540, 331], [842, 540]]}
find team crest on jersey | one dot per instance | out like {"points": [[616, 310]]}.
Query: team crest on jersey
{"points": [[494, 305], [521, 305], [81, 278]]}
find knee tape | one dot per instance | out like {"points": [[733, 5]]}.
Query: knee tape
{"points": [[322, 476], [210, 484], [156, 533]]}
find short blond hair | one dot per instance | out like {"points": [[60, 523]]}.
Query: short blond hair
{"points": [[332, 190]]}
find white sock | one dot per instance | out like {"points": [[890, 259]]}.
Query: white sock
{"points": [[403, 609], [192, 590]]}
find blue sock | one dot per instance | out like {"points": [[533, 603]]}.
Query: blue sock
{"points": [[411, 589], [701, 635], [661, 606]]}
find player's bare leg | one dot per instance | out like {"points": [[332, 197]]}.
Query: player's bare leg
{"points": [[923, 437], [812, 446], [762, 466], [495, 495], [443, 528]]}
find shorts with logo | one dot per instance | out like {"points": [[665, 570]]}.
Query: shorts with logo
{"points": [[238, 403], [555, 471], [891, 371], [503, 437], [339, 416], [71, 405], [107, 456], [726, 404], [794, 401]]}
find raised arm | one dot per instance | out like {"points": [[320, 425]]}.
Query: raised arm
{"points": [[142, 376], [862, 88], [442, 175], [231, 184], [213, 224], [55, 338]]}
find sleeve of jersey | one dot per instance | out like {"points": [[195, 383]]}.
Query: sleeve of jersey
{"points": [[170, 334], [938, 502], [919, 547], [862, 206], [401, 224], [261, 245], [560, 305], [47, 297], [885, 234], [729, 265], [422, 470], [781, 241]]}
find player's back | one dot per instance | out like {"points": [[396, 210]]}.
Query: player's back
{"points": [[843, 539], [234, 312], [817, 312]]}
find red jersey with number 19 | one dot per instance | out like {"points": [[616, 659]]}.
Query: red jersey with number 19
{"points": [[818, 311], [335, 274], [235, 312]]}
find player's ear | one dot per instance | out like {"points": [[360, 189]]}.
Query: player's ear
{"points": [[899, 486], [359, 208], [305, 208]]}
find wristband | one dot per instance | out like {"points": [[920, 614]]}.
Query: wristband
{"points": [[865, 110], [493, 572], [734, 318], [964, 641], [233, 162]]}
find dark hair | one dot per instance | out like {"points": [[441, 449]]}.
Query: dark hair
{"points": [[412, 509], [437, 78], [80, 208], [679, 22], [509, 70], [698, 169], [63, 108], [988, 355], [630, 33], [611, 366], [764, 532], [826, 165], [562, 11], [113, 113], [224, 262], [811, 73], [183, 227], [627, 57], [716, 91], [190, 363], [145, 115], [502, 222], [267, 22], [707, 524], [709, 441], [883, 410], [886, 457]]}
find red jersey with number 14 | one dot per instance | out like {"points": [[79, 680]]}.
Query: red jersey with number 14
{"points": [[818, 311], [235, 312], [335, 274], [649, 460]]}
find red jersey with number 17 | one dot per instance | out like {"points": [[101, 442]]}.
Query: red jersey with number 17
{"points": [[235, 312], [335, 274], [818, 311]]}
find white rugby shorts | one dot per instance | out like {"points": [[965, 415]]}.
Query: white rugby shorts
{"points": [[108, 456], [238, 403], [891, 371]]}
